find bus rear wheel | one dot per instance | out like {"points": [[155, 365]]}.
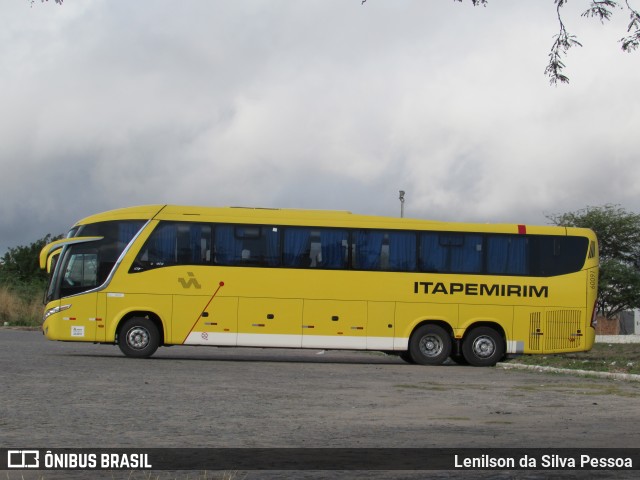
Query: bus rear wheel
{"points": [[483, 347], [138, 337], [430, 345]]}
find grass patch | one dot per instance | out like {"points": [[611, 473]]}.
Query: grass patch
{"points": [[21, 306], [603, 357]]}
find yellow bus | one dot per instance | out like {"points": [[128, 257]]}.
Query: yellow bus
{"points": [[150, 276]]}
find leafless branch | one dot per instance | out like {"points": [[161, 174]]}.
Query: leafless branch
{"points": [[561, 45], [632, 41]]}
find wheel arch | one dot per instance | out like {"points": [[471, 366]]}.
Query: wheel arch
{"points": [[155, 318], [484, 323], [433, 321]]}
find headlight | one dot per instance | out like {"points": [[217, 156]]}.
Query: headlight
{"points": [[53, 310]]}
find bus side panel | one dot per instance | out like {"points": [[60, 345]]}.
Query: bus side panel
{"points": [[527, 330], [120, 305], [380, 325], [334, 324], [270, 322], [215, 325], [76, 323], [551, 330], [500, 314], [101, 314], [564, 330], [409, 315]]}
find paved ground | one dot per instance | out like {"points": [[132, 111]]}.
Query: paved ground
{"points": [[56, 394]]}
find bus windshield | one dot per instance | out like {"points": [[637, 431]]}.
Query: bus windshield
{"points": [[85, 266]]}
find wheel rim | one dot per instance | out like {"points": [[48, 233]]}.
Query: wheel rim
{"points": [[138, 338], [484, 346], [431, 345]]}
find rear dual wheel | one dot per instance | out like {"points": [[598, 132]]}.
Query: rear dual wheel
{"points": [[483, 347], [430, 345]]}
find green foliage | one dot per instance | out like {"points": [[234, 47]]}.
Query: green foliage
{"points": [[619, 287], [20, 265], [22, 283], [618, 234]]}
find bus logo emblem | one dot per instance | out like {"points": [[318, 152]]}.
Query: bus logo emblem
{"points": [[192, 281]]}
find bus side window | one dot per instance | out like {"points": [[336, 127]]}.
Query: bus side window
{"points": [[193, 243], [507, 255], [450, 252], [160, 248], [367, 251], [432, 257], [556, 255], [402, 251], [334, 245], [175, 243], [297, 248], [251, 245]]}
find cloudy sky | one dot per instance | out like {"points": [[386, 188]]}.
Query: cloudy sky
{"points": [[323, 104]]}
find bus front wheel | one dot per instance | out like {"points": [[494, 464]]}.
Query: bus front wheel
{"points": [[483, 347], [138, 337], [430, 345]]}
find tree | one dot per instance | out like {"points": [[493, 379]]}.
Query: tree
{"points": [[618, 233], [22, 265], [563, 41]]}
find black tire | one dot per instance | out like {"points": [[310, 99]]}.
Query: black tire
{"points": [[483, 347], [138, 337], [430, 345], [406, 356]]}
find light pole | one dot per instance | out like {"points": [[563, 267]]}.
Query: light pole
{"points": [[401, 203]]}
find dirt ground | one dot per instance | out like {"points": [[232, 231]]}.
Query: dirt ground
{"points": [[80, 395]]}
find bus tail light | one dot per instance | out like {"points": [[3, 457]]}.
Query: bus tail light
{"points": [[594, 318]]}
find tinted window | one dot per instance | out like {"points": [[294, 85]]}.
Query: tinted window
{"points": [[557, 255], [182, 243], [248, 245], [380, 250], [175, 243], [85, 266], [508, 254], [450, 252]]}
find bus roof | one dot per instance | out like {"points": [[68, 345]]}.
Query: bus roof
{"points": [[319, 218]]}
